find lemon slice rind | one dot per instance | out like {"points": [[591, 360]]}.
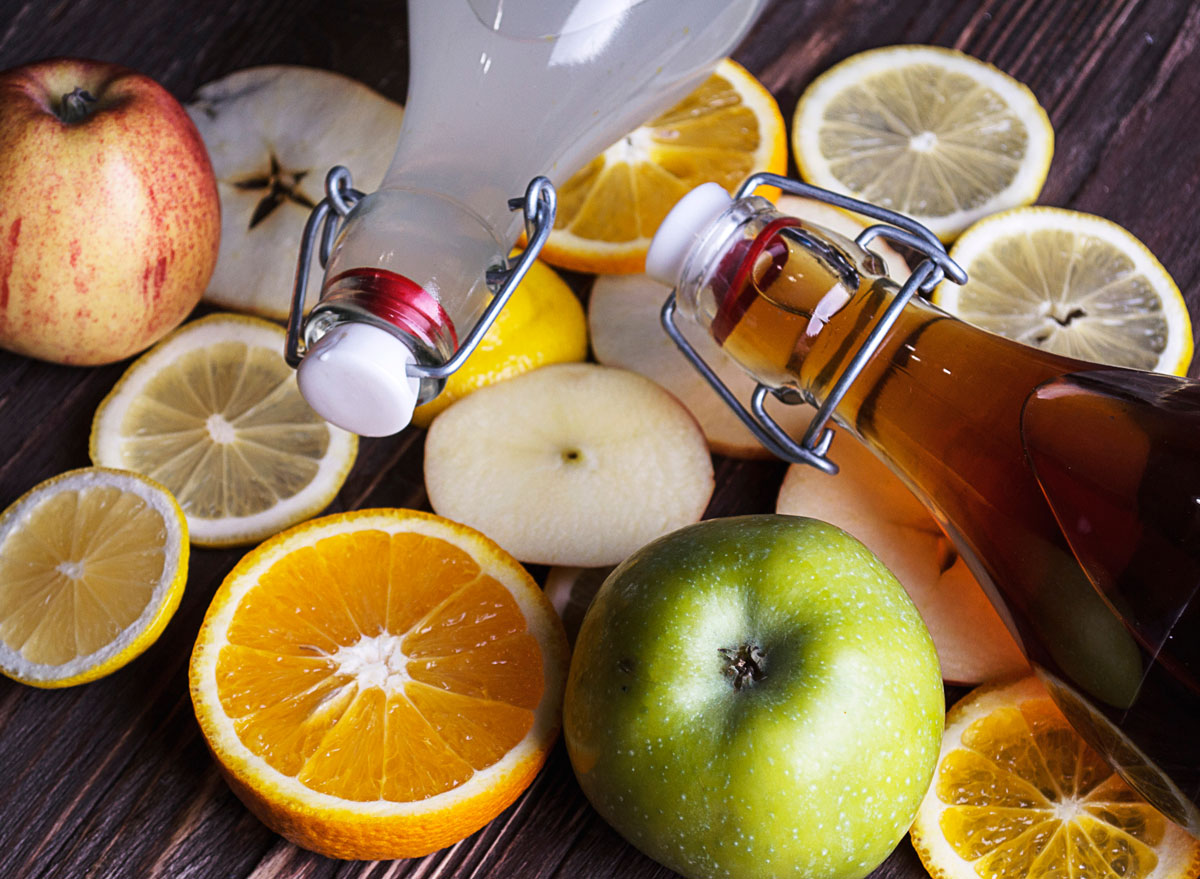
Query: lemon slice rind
{"points": [[1025, 184], [106, 442], [967, 302], [160, 606]]}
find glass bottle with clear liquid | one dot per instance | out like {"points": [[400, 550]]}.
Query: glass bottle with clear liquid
{"points": [[1072, 490], [500, 92]]}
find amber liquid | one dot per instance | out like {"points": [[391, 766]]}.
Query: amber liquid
{"points": [[1072, 492]]}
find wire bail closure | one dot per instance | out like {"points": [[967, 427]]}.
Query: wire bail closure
{"points": [[539, 205], [813, 447]]}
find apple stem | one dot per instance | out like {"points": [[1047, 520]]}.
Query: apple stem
{"points": [[744, 664], [75, 105]]}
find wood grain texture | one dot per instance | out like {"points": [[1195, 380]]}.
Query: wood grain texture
{"points": [[113, 780]]}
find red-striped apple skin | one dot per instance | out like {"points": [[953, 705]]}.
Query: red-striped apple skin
{"points": [[109, 216]]}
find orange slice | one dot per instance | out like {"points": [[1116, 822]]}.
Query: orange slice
{"points": [[726, 130], [1018, 793], [379, 684]]}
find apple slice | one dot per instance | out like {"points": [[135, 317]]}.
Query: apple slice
{"points": [[272, 134], [570, 464], [623, 321], [623, 318], [867, 500]]}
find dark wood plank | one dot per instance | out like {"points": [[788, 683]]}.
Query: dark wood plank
{"points": [[113, 779]]}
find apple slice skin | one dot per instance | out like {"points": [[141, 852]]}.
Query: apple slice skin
{"points": [[814, 770], [869, 501]]}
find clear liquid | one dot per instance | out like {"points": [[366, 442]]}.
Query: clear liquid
{"points": [[502, 91], [942, 403]]}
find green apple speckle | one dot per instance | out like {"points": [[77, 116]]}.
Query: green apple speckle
{"points": [[755, 697]]}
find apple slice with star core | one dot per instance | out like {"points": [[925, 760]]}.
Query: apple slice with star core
{"points": [[570, 464], [273, 133]]}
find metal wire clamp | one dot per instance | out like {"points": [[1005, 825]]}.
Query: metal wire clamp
{"points": [[813, 447], [539, 205]]}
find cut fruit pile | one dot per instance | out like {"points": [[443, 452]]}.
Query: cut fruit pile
{"points": [[92, 566], [1018, 793], [1071, 283], [379, 684], [929, 132], [213, 413], [273, 133], [725, 131]]}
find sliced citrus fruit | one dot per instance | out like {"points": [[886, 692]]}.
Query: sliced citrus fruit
{"points": [[1018, 793], [92, 566], [933, 133], [541, 323], [727, 129], [214, 414], [379, 684], [1071, 283]]}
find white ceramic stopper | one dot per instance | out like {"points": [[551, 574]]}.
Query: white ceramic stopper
{"points": [[682, 228], [355, 377]]}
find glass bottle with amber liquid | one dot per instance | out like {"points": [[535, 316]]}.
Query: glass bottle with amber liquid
{"points": [[1072, 490]]}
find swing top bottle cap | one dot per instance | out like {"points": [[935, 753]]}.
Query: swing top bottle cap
{"points": [[356, 377], [682, 228]]}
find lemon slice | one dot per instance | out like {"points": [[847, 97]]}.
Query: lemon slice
{"points": [[929, 132], [1071, 283], [213, 413], [1018, 793], [726, 130], [92, 566], [542, 322]]}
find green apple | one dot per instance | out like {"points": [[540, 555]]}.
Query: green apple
{"points": [[755, 697]]}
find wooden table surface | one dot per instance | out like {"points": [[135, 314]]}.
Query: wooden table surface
{"points": [[112, 778]]}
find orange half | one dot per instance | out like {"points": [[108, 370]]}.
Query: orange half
{"points": [[379, 684]]}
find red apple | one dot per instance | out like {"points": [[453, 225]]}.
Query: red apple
{"points": [[109, 218]]}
